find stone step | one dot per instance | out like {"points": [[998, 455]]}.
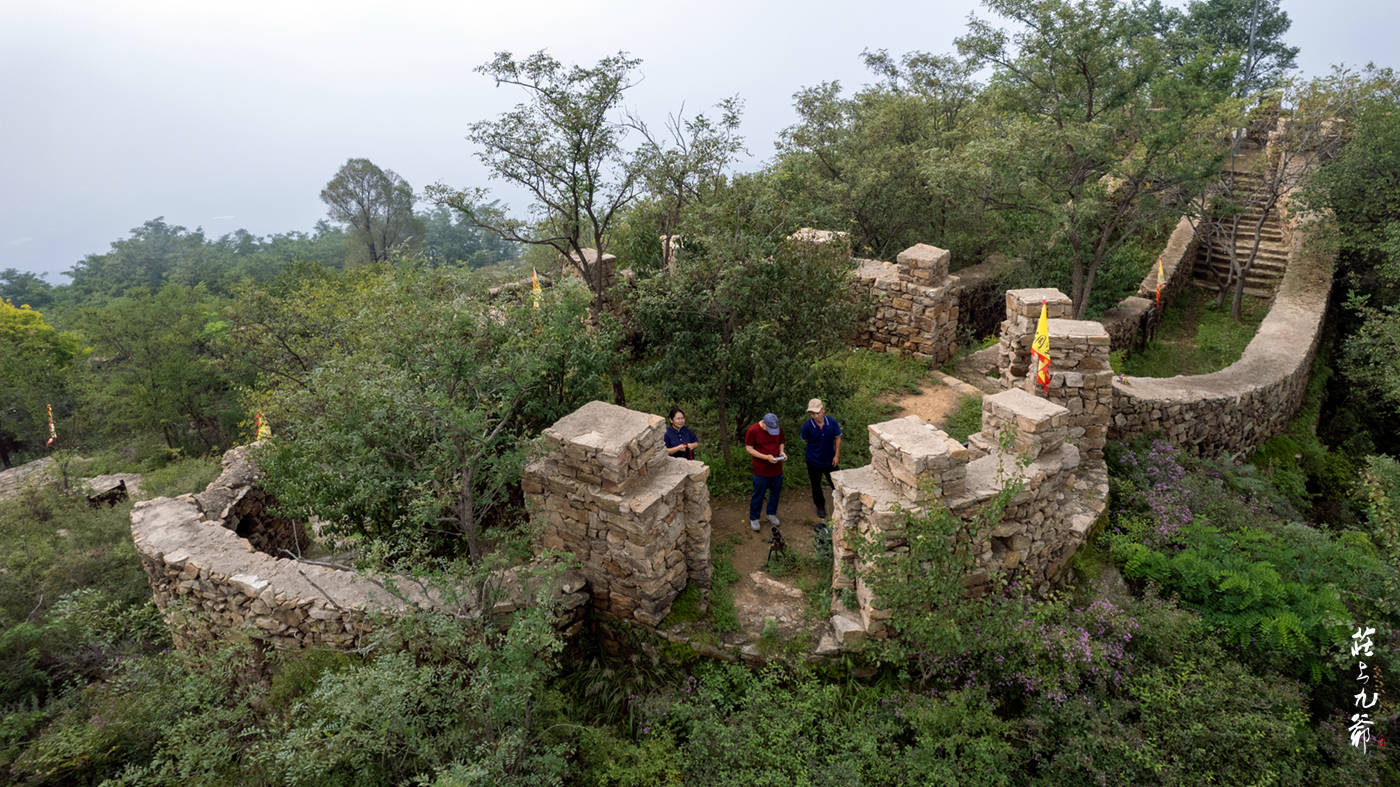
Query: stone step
{"points": [[1261, 278], [1263, 267], [1251, 291]]}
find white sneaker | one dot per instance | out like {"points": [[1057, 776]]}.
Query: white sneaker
{"points": [[774, 519], [753, 523]]}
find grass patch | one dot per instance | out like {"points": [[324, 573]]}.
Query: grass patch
{"points": [[1195, 337], [181, 476], [965, 420], [722, 612]]}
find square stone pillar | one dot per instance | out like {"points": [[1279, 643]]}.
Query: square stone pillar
{"points": [[637, 519]]}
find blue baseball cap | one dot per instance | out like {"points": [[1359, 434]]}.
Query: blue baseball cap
{"points": [[770, 423]]}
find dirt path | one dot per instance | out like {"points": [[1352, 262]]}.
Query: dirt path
{"points": [[758, 595], [933, 404]]}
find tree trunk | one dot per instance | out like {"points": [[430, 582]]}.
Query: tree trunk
{"points": [[619, 395]]}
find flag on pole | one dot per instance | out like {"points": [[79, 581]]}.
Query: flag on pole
{"points": [[1160, 281], [535, 286], [52, 434], [261, 431], [1040, 348]]}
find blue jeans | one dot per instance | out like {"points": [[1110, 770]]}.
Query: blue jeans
{"points": [[762, 484]]}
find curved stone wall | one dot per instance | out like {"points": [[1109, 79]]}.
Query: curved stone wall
{"points": [[208, 580], [1239, 407]]}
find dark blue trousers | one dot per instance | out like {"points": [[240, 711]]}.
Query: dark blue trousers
{"points": [[762, 485]]}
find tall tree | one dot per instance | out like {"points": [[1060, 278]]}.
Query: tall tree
{"points": [[564, 146], [157, 368], [680, 166], [882, 162], [377, 205], [145, 261], [22, 287], [1251, 31], [740, 325], [1096, 135]]}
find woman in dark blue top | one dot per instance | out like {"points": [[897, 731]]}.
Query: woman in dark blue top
{"points": [[680, 441]]}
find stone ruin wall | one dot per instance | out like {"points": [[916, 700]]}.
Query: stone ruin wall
{"points": [[209, 581], [915, 304], [636, 518], [1237, 408], [915, 465], [1132, 321], [1052, 445], [1080, 376]]}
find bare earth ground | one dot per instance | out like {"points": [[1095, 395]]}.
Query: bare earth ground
{"points": [[758, 595], [933, 404]]}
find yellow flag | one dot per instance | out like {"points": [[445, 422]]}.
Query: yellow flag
{"points": [[1040, 348], [52, 434], [261, 431], [535, 286], [1161, 279]]}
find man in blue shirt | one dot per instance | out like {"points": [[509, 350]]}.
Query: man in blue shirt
{"points": [[823, 437]]}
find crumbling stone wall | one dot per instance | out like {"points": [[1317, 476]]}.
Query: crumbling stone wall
{"points": [[915, 304], [235, 500], [1133, 320], [1080, 376], [1239, 407], [209, 581], [915, 465], [637, 519]]}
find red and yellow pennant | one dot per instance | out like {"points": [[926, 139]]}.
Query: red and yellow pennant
{"points": [[1161, 279], [261, 431], [1040, 348], [535, 286], [53, 435]]}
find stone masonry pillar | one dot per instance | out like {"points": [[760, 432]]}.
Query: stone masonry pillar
{"points": [[637, 520]]}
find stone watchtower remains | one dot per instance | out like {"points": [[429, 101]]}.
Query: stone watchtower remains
{"points": [[637, 519]]}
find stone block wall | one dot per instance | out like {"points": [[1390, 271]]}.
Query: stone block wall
{"points": [[1136, 316], [915, 465], [915, 304], [208, 581], [637, 519], [235, 500], [1237, 408], [1080, 376]]}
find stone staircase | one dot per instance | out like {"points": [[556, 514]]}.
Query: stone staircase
{"points": [[1212, 263]]}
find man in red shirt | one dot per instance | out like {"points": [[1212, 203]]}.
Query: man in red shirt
{"points": [[764, 442]]}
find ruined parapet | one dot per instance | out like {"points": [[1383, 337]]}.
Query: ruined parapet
{"points": [[806, 236], [915, 304], [917, 460], [209, 582], [1081, 379], [1237, 408], [637, 520], [915, 465], [606, 267], [239, 503]]}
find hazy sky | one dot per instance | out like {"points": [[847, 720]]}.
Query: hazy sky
{"points": [[235, 114]]}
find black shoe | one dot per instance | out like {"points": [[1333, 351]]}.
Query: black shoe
{"points": [[821, 513]]}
